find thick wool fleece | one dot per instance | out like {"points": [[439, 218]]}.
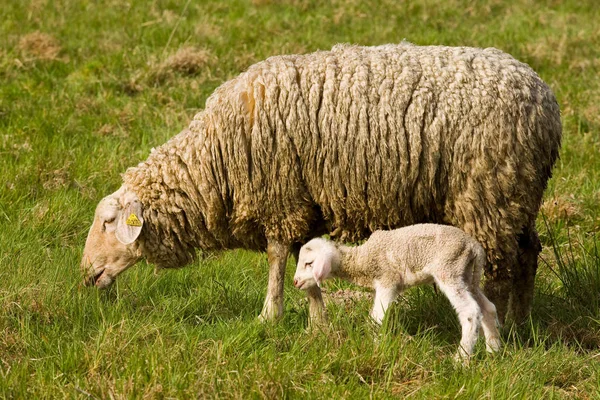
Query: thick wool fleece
{"points": [[353, 140]]}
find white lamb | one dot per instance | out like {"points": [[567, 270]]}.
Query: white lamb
{"points": [[391, 261]]}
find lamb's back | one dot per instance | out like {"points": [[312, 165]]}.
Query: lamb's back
{"points": [[416, 247]]}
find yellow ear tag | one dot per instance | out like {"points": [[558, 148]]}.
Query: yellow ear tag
{"points": [[132, 220]]}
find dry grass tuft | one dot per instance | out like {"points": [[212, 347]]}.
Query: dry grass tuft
{"points": [[12, 347], [132, 87], [346, 297], [207, 29], [40, 210], [187, 60], [577, 332], [112, 130], [106, 130], [259, 3], [552, 49], [39, 46], [591, 111], [242, 60], [10, 145], [57, 179], [561, 207]]}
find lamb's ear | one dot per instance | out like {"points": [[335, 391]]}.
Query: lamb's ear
{"points": [[321, 267], [130, 221]]}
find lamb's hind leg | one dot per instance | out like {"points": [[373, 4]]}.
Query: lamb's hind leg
{"points": [[469, 315], [277, 254], [489, 323]]}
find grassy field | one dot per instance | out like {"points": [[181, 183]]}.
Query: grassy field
{"points": [[88, 88]]}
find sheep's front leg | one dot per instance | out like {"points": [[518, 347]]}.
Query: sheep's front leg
{"points": [[316, 307], [277, 254], [384, 296]]}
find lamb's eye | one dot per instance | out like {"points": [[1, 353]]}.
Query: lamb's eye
{"points": [[308, 265]]}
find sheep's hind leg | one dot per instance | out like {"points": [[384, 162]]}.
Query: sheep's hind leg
{"points": [[277, 254], [524, 275], [316, 307], [497, 289]]}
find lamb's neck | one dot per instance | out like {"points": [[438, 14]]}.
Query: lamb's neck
{"points": [[356, 267]]}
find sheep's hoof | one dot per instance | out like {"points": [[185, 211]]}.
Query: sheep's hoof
{"points": [[270, 313], [268, 319]]}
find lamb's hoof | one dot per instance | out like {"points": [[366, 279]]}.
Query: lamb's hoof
{"points": [[462, 358], [318, 322], [493, 345]]}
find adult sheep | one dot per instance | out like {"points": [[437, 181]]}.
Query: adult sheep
{"points": [[346, 141]]}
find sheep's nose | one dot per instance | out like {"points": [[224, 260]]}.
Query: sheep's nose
{"points": [[296, 282]]}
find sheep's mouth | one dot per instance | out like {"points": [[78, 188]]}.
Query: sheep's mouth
{"points": [[91, 281]]}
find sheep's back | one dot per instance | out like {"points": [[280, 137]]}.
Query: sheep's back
{"points": [[373, 138]]}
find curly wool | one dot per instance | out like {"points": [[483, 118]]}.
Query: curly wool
{"points": [[353, 140]]}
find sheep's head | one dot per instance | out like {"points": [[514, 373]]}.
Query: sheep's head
{"points": [[316, 261], [111, 245]]}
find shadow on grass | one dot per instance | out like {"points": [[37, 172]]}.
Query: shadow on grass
{"points": [[423, 310]]}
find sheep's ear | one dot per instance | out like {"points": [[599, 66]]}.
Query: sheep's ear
{"points": [[130, 221], [321, 267]]}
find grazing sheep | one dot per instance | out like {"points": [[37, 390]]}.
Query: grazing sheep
{"points": [[391, 261], [346, 142]]}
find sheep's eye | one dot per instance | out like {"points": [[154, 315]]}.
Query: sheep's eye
{"points": [[108, 221], [308, 265]]}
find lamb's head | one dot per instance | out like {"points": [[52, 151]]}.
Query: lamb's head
{"points": [[111, 245], [316, 262]]}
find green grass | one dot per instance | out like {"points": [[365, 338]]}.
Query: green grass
{"points": [[79, 106]]}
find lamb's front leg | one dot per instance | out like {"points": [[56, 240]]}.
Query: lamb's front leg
{"points": [[384, 296], [277, 253]]}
